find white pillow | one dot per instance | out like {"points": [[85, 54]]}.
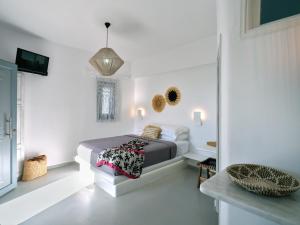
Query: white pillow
{"points": [[181, 137], [167, 138], [173, 132]]}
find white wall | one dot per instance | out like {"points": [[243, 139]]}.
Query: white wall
{"points": [[60, 110], [196, 79], [260, 100], [195, 54]]}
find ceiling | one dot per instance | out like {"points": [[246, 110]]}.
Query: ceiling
{"points": [[139, 27]]}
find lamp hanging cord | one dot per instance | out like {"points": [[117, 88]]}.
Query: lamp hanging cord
{"points": [[106, 37], [107, 25]]}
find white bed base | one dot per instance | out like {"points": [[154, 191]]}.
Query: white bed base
{"points": [[104, 180]]}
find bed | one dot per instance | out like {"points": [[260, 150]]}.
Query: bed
{"points": [[162, 156]]}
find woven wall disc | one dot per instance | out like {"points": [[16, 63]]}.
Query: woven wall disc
{"points": [[158, 103], [173, 96]]}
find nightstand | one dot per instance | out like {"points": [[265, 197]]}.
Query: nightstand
{"points": [[206, 157], [202, 153]]}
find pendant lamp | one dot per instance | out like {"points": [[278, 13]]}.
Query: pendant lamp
{"points": [[106, 61]]}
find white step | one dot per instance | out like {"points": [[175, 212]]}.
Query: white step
{"points": [[31, 198]]}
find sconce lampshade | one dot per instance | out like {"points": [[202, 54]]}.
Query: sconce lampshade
{"points": [[197, 118], [106, 61], [140, 113]]}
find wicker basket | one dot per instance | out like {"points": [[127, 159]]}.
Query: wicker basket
{"points": [[263, 180], [34, 168]]}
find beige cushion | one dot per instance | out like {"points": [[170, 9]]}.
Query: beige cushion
{"points": [[151, 131]]}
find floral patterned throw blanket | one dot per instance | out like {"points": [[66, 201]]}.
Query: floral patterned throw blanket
{"points": [[127, 159]]}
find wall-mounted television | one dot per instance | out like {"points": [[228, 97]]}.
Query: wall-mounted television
{"points": [[31, 62]]}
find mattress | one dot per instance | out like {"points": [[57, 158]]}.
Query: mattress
{"points": [[87, 152]]}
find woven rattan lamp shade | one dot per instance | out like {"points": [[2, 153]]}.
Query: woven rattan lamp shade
{"points": [[106, 61]]}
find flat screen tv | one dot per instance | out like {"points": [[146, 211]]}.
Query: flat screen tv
{"points": [[31, 62]]}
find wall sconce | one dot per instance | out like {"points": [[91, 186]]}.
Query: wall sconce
{"points": [[140, 112], [198, 118]]}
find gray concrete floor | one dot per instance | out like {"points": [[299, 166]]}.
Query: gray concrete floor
{"points": [[174, 200]]}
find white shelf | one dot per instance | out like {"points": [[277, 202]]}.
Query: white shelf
{"points": [[202, 153], [195, 156], [208, 151], [283, 210]]}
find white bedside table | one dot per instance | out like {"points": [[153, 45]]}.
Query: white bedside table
{"points": [[202, 153], [199, 155]]}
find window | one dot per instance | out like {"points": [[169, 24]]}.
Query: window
{"points": [[259, 12], [271, 10], [106, 99]]}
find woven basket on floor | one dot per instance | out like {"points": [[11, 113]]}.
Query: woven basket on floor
{"points": [[263, 180], [34, 168]]}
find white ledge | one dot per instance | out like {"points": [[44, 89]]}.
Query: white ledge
{"points": [[283, 210]]}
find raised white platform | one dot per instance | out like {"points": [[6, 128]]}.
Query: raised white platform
{"points": [[31, 198], [124, 185]]}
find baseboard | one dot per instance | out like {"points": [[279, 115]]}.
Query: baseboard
{"points": [[60, 165]]}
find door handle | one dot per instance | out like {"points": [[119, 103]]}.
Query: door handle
{"points": [[8, 127]]}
